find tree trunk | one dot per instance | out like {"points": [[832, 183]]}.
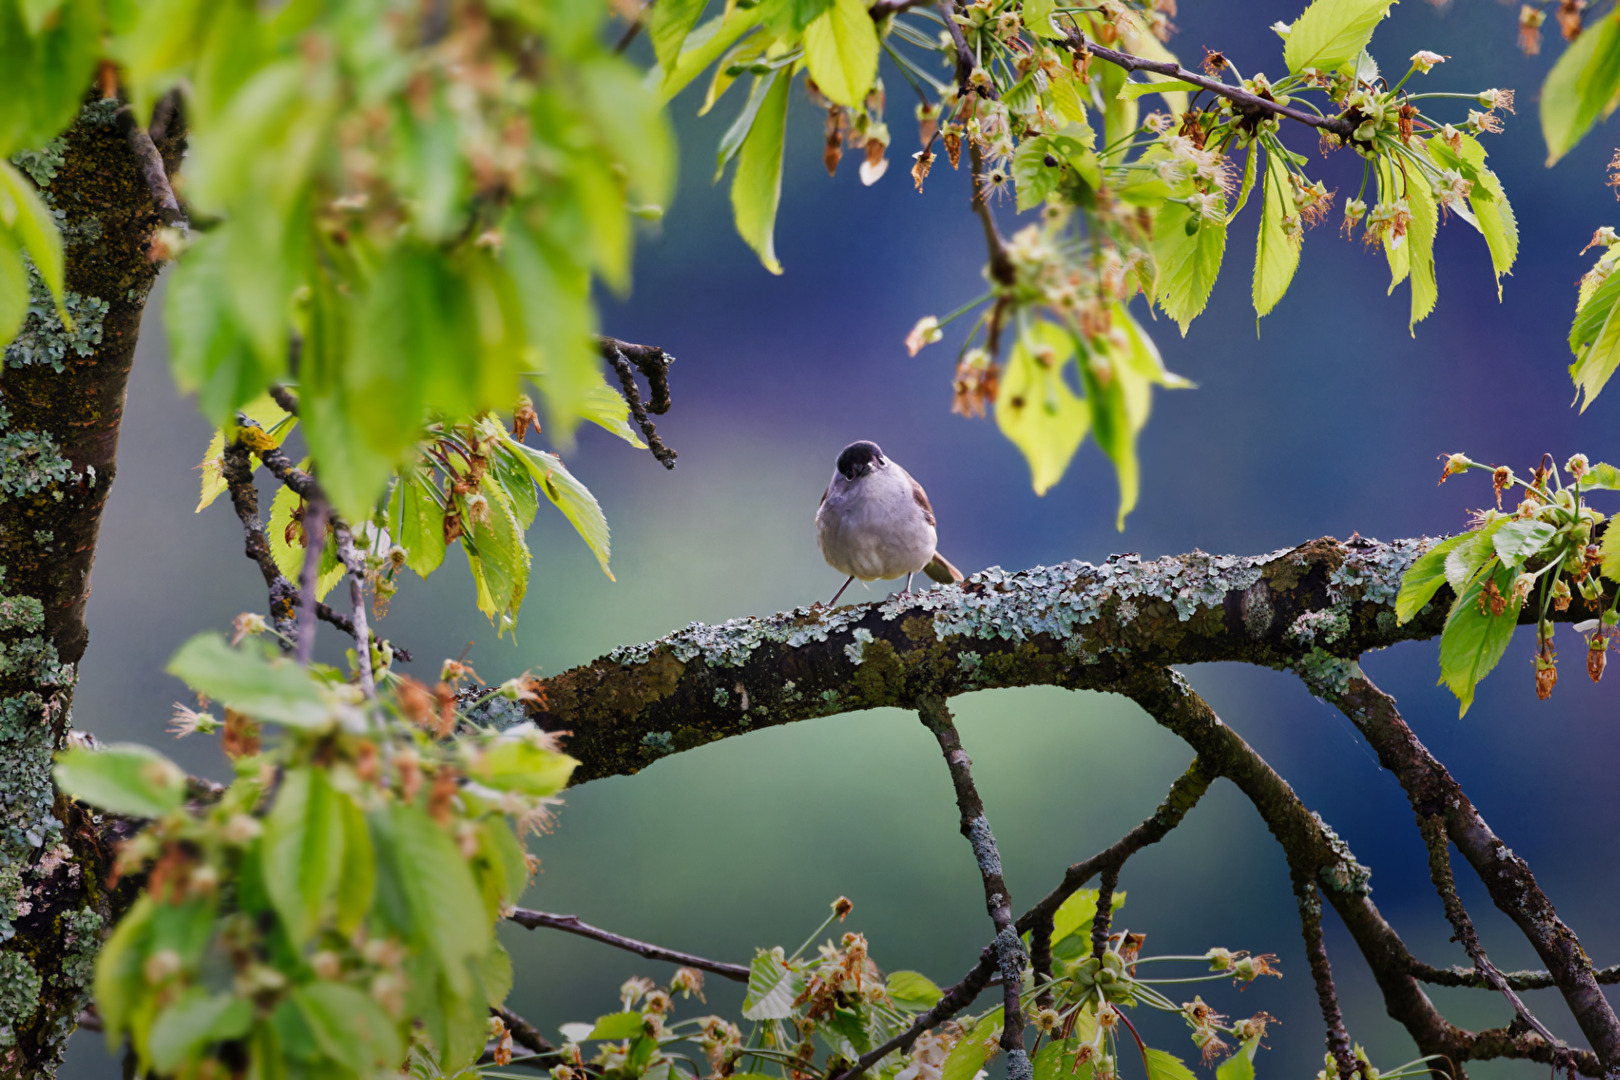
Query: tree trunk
{"points": [[61, 402]]}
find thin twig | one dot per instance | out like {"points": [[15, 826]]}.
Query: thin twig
{"points": [[284, 397], [951, 1002], [572, 924], [1008, 947], [1327, 996], [150, 163], [632, 395], [1518, 980], [308, 580], [1434, 837], [356, 566], [1247, 102]]}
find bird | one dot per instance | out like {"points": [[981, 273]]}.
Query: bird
{"points": [[875, 522]]}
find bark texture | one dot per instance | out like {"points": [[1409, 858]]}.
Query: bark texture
{"points": [[61, 403]]}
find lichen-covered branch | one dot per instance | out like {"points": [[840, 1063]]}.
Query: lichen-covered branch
{"points": [[1518, 980], [1506, 877], [572, 924], [61, 406], [1327, 994], [656, 364], [1008, 949], [1312, 609]]}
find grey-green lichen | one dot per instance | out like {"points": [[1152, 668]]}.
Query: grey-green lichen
{"points": [[722, 696], [856, 651], [19, 994], [1326, 675], [1328, 625], [44, 339], [1342, 872], [80, 943], [658, 743], [42, 165]]}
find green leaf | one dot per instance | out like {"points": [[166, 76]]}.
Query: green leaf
{"points": [[1276, 254], [619, 1025], [357, 885], [277, 690], [277, 424], [1594, 337], [668, 24], [1582, 86], [1035, 408], [1104, 379], [705, 44], [123, 778], [976, 1047], [1425, 577], [1493, 216], [756, 189], [13, 288], [912, 989], [437, 888], [121, 988], [1056, 1061], [1518, 541], [194, 1021], [1420, 235], [1163, 1065], [421, 523], [350, 1027], [1601, 477], [1074, 915], [1038, 17], [772, 987], [1331, 33], [1473, 640], [573, 498], [511, 762], [35, 229], [841, 49], [302, 852], [1133, 90], [1188, 264], [497, 553], [1471, 554], [1240, 1066]]}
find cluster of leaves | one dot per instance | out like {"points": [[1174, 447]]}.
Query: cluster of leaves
{"points": [[1128, 205], [1543, 552], [816, 1015], [476, 481], [334, 908], [421, 195]]}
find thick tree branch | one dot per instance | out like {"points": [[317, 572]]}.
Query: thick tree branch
{"points": [[571, 924], [1008, 949], [1518, 980], [1506, 877]]}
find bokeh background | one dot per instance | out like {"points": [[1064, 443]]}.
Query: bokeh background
{"points": [[1326, 419]]}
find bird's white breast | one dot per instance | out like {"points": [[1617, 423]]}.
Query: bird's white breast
{"points": [[872, 527]]}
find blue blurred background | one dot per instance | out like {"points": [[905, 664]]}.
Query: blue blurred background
{"points": [[1326, 421]]}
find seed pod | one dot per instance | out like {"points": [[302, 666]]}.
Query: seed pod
{"points": [[1597, 654]]}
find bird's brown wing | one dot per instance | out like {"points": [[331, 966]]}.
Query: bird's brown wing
{"points": [[920, 497]]}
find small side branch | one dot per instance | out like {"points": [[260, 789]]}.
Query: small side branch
{"points": [[572, 924], [1327, 995], [1518, 980], [1008, 947], [951, 1002], [152, 169], [657, 371], [1434, 837], [1247, 102], [524, 1033], [1105, 911]]}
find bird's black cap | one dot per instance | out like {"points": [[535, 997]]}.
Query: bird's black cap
{"points": [[858, 459]]}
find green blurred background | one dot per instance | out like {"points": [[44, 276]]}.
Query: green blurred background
{"points": [[1326, 421]]}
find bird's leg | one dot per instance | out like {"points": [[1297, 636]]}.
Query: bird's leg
{"points": [[834, 601], [908, 586]]}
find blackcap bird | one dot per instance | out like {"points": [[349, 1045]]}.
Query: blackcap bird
{"points": [[875, 522]]}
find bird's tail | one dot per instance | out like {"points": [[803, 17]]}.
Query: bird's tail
{"points": [[939, 569]]}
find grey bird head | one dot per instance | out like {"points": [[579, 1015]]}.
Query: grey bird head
{"points": [[859, 458]]}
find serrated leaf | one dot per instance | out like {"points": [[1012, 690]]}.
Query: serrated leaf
{"points": [[1601, 477], [123, 778], [1240, 1066], [433, 878], [911, 989], [420, 523], [357, 885], [497, 553], [977, 1046], [1188, 263], [1610, 550], [515, 763], [1493, 215], [1330, 33], [1035, 408], [772, 987], [705, 44], [573, 498], [1424, 578], [350, 1028], [1163, 1065], [1582, 86], [251, 683], [1594, 337], [668, 24], [262, 410], [1276, 254], [1038, 17], [1056, 1061], [1470, 555], [1473, 641], [1517, 541], [841, 50], [289, 559], [1133, 90], [1420, 236], [1104, 379], [756, 189], [302, 851]]}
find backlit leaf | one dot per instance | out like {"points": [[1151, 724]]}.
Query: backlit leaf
{"points": [[123, 778], [1276, 255], [248, 681], [1425, 577], [1582, 86], [772, 987], [1036, 409], [1188, 262], [1473, 640], [756, 189], [1330, 33], [841, 49], [302, 853]]}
